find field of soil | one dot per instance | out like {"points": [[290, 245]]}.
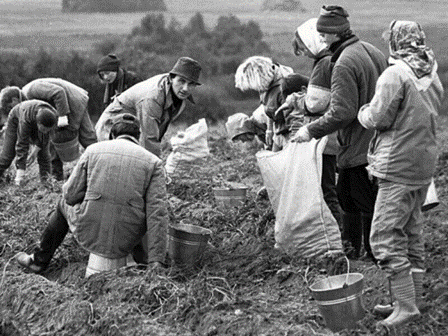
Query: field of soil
{"points": [[242, 287]]}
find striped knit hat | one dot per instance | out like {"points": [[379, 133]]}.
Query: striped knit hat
{"points": [[332, 20]]}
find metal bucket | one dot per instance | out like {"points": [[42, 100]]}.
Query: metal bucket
{"points": [[230, 197], [431, 200], [98, 264], [67, 151], [339, 298], [187, 243]]}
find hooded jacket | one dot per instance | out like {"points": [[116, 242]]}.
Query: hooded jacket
{"points": [[403, 114]]}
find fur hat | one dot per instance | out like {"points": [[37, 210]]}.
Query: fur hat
{"points": [[46, 117], [188, 68], [108, 63], [332, 20]]}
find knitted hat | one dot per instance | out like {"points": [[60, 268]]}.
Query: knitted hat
{"points": [[332, 20], [108, 63], [188, 68], [46, 117]]}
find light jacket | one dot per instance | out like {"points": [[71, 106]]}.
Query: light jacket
{"points": [[151, 101], [67, 98], [357, 66], [114, 195], [403, 114]]}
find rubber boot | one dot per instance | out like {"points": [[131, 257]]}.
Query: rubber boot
{"points": [[405, 308], [417, 277], [366, 219], [352, 234]]}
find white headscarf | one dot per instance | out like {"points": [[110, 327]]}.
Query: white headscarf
{"points": [[310, 37]]}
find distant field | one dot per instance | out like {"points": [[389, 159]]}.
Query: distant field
{"points": [[35, 23]]}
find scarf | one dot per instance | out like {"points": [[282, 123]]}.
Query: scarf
{"points": [[407, 43]]}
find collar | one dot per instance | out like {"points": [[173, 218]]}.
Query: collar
{"points": [[127, 137], [338, 47]]}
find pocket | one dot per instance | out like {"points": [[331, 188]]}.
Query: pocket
{"points": [[90, 196]]}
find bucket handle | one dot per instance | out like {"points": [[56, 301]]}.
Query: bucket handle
{"points": [[345, 285]]}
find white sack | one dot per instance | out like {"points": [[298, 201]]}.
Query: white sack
{"points": [[189, 147], [304, 223]]}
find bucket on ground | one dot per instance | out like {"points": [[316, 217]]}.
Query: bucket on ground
{"points": [[339, 298], [187, 243], [98, 264], [431, 200], [230, 197], [68, 150]]}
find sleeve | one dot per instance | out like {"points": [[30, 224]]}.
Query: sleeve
{"points": [[148, 113], [343, 103], [381, 112], [157, 215], [75, 188], [43, 158], [53, 94], [23, 142], [318, 94]]}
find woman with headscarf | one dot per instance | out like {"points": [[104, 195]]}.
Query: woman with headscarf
{"points": [[315, 102], [262, 74], [402, 157]]}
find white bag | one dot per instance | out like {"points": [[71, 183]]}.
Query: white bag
{"points": [[189, 147], [304, 223], [431, 200]]}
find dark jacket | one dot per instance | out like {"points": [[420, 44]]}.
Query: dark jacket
{"points": [[125, 79], [357, 66]]}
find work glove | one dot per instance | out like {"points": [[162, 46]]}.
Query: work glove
{"points": [[20, 175], [63, 121], [302, 135]]}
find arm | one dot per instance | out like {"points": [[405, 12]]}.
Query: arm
{"points": [[75, 188], [157, 215], [343, 105], [24, 131], [381, 112], [53, 94], [149, 112]]}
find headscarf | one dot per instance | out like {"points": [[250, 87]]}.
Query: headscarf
{"points": [[407, 42], [310, 37]]}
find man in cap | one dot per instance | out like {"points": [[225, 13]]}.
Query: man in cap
{"points": [[156, 102], [28, 123], [116, 78], [70, 102], [115, 194], [356, 66]]}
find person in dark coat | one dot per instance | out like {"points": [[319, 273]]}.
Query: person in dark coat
{"points": [[356, 66], [116, 78]]}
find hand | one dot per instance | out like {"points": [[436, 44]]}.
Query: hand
{"points": [[269, 138], [63, 121], [302, 135], [20, 174], [283, 111], [32, 156]]}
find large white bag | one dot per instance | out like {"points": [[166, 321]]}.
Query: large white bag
{"points": [[189, 147], [304, 223]]}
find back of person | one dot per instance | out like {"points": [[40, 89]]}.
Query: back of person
{"points": [[407, 151], [116, 197], [364, 63]]}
